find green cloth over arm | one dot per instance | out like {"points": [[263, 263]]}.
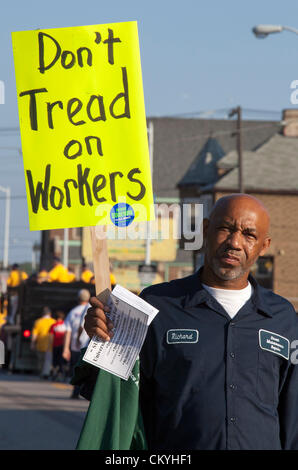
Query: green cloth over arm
{"points": [[113, 420]]}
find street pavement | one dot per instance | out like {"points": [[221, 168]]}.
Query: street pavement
{"points": [[38, 415]]}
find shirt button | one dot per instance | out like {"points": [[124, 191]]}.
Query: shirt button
{"points": [[233, 386], [232, 323], [232, 354], [233, 420]]}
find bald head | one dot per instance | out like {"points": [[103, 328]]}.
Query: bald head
{"points": [[243, 201], [235, 236]]}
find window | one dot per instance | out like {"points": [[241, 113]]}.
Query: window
{"points": [[262, 271]]}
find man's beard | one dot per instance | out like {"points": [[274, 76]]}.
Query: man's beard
{"points": [[224, 273]]}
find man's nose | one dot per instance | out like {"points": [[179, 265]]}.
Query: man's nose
{"points": [[234, 240]]}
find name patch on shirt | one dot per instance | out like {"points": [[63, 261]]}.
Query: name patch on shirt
{"points": [[182, 336], [274, 343]]}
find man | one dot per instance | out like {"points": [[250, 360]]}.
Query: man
{"points": [[42, 276], [57, 332], [15, 279], [87, 274], [72, 347], [58, 273], [16, 276], [215, 365], [41, 342], [71, 275]]}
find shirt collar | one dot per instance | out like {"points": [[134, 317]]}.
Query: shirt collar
{"points": [[259, 297], [196, 294]]}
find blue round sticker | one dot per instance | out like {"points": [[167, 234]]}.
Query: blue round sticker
{"points": [[122, 214]]}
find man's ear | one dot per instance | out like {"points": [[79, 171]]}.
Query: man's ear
{"points": [[266, 245]]}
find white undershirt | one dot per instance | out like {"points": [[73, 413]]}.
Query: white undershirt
{"points": [[231, 300]]}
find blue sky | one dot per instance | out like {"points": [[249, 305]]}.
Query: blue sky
{"points": [[196, 56]]}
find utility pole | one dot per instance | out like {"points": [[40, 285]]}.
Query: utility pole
{"points": [[151, 144], [147, 271], [45, 252], [238, 111], [65, 248], [6, 226], [7, 223]]}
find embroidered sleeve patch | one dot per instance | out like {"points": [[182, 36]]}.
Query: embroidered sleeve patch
{"points": [[182, 336], [274, 343]]}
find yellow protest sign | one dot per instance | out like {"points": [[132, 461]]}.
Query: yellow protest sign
{"points": [[83, 126]]}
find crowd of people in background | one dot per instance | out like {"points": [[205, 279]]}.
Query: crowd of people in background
{"points": [[57, 336], [59, 273]]}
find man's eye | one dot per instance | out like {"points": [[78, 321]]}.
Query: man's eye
{"points": [[250, 235]]}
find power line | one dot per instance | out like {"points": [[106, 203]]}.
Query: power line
{"points": [[261, 111], [15, 197], [213, 112], [11, 148], [8, 129], [208, 112], [217, 133]]}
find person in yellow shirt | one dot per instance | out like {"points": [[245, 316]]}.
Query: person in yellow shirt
{"points": [[87, 274], [15, 279], [16, 276], [42, 276], [112, 277], [58, 273], [3, 310], [113, 280], [41, 342], [71, 275]]}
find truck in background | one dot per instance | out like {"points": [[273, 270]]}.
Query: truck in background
{"points": [[32, 297]]}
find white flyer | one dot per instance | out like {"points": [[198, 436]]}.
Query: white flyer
{"points": [[131, 317]]}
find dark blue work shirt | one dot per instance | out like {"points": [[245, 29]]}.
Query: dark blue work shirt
{"points": [[212, 382]]}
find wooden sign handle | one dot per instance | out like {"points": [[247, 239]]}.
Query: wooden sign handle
{"points": [[101, 262]]}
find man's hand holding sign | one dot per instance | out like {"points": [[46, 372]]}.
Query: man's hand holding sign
{"points": [[98, 323]]}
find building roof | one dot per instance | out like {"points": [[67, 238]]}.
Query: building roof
{"points": [[203, 169], [273, 167], [178, 143]]}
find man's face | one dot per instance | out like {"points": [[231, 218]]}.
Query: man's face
{"points": [[235, 237]]}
